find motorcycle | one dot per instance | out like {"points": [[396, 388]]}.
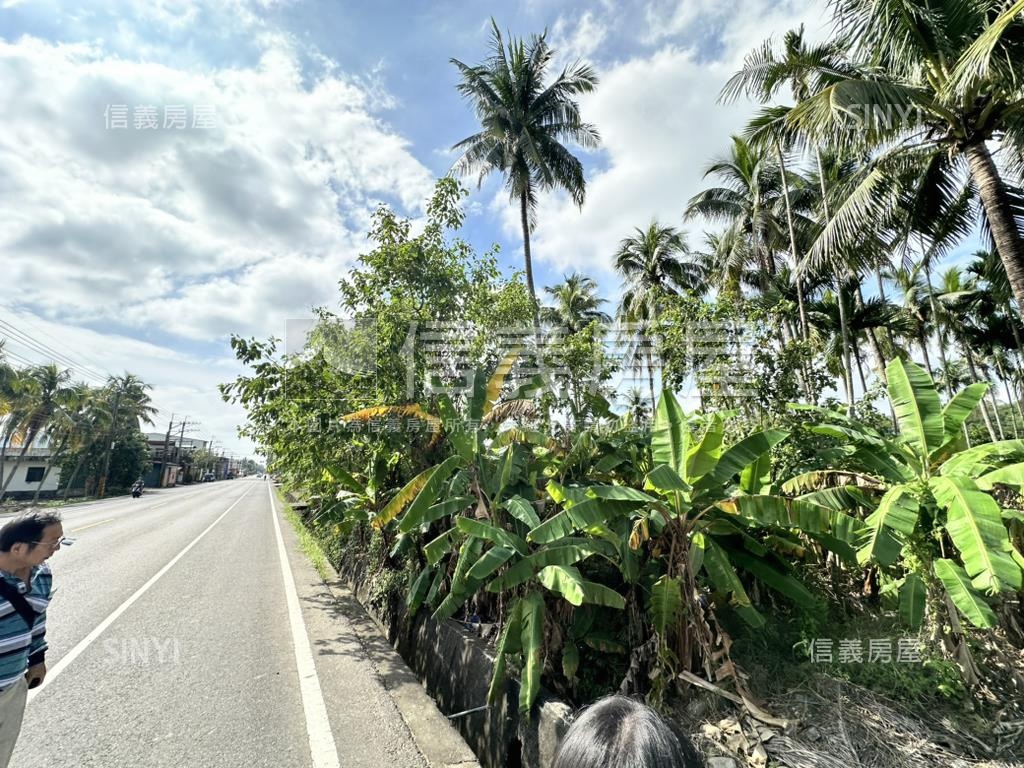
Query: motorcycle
{"points": [[137, 490]]}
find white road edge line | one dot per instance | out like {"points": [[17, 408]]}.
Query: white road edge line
{"points": [[92, 525], [318, 726], [85, 642]]}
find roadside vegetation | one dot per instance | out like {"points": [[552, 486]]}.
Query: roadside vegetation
{"points": [[93, 433], [851, 466]]}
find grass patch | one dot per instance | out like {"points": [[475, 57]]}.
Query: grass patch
{"points": [[307, 540], [19, 505]]}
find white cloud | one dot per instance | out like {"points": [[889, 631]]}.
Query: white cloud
{"points": [[121, 224], [579, 39], [660, 125], [130, 246]]}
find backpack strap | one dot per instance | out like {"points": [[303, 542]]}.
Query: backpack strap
{"points": [[18, 601]]}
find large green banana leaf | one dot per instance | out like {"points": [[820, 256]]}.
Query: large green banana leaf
{"points": [[958, 587], [916, 403], [975, 525]]}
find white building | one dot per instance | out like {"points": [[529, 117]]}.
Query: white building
{"points": [[30, 472]]}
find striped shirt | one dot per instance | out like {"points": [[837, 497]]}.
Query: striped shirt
{"points": [[19, 647]]}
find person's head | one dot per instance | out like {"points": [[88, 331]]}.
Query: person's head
{"points": [[30, 539], [617, 732]]}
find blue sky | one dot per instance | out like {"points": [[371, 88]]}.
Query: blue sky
{"points": [[144, 250]]}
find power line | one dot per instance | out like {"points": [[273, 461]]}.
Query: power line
{"points": [[49, 356], [88, 367], [23, 338], [34, 345], [26, 341], [17, 357]]}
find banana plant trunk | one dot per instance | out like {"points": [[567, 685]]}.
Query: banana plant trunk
{"points": [[995, 198]]}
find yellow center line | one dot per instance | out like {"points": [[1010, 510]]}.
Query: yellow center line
{"points": [[91, 525]]}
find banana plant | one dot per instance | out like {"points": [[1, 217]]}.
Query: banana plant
{"points": [[357, 497], [480, 516], [722, 516], [933, 520], [517, 553]]}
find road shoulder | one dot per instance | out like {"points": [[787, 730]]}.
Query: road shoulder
{"points": [[340, 629]]}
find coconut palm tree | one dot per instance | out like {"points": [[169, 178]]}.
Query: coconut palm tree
{"points": [[958, 300], [576, 304], [92, 424], [861, 319], [40, 393], [909, 284], [987, 269], [525, 121], [129, 404], [638, 409], [66, 421], [7, 375], [650, 263], [806, 69], [747, 203], [8, 379], [939, 81]]}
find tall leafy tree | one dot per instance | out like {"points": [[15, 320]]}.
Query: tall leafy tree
{"points": [[939, 81], [91, 425], [526, 117], [8, 377], [767, 69], [909, 284], [575, 303], [655, 263], [64, 424], [746, 203], [129, 404], [862, 318], [39, 394]]}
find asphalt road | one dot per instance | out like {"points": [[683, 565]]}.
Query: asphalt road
{"points": [[174, 642]]}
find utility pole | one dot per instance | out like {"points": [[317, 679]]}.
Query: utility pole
{"points": [[162, 482], [181, 446]]}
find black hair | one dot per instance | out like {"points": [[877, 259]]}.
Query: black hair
{"points": [[27, 529], [618, 732]]}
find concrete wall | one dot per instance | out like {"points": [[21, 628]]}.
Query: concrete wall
{"points": [[455, 666], [20, 487]]}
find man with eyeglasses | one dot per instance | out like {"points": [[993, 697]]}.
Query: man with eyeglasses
{"points": [[25, 587]]}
